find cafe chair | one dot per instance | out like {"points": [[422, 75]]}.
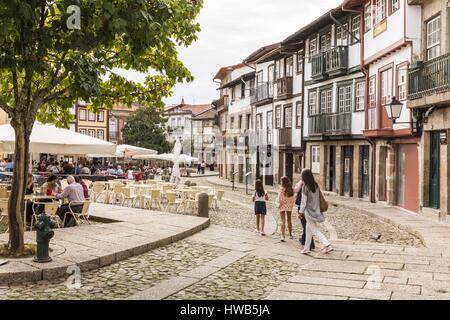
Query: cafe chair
{"points": [[50, 209], [80, 217]]}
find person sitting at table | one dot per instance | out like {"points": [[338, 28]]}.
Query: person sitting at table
{"points": [[119, 171], [85, 188], [52, 186], [74, 194]]}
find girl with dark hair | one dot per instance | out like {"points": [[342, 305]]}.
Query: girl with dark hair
{"points": [[259, 198], [286, 200], [310, 208]]}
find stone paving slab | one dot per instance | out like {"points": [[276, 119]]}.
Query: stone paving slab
{"points": [[93, 246]]}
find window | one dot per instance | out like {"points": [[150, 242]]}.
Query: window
{"points": [[173, 123], [386, 86], [402, 79], [380, 11], [281, 69], [356, 27], [300, 57], [269, 126], [394, 6], [341, 35], [359, 96], [434, 38], [345, 99], [325, 42], [315, 159], [367, 17], [312, 47], [278, 117], [249, 121], [326, 101], [372, 93], [233, 96], [82, 131], [298, 113], [312, 103], [242, 90], [240, 122], [101, 116], [91, 116], [101, 134], [259, 77], [259, 122], [288, 117], [83, 115], [179, 122], [289, 66], [270, 75], [91, 133], [276, 69], [232, 123]]}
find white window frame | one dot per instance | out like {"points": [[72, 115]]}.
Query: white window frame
{"points": [[402, 81], [434, 37], [91, 133], [91, 116], [101, 134], [287, 110], [356, 26], [386, 86], [313, 49], [380, 11], [345, 99], [368, 16], [101, 116], [326, 101], [83, 114], [82, 131], [341, 35], [315, 159], [360, 100], [298, 113], [372, 92], [312, 103]]}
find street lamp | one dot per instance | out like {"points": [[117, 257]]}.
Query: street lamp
{"points": [[394, 110]]}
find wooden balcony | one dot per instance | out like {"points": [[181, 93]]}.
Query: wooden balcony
{"points": [[285, 137], [330, 124], [430, 78], [333, 62], [284, 87], [262, 94]]}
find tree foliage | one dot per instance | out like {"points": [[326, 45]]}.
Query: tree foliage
{"points": [[146, 128], [45, 65]]}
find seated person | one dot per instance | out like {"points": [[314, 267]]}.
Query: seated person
{"points": [[85, 170], [52, 186], [119, 171], [29, 190], [74, 194], [85, 188]]}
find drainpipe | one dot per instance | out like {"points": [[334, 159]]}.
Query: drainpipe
{"points": [[365, 71]]}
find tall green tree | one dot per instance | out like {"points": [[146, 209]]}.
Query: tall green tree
{"points": [[53, 52], [146, 128]]}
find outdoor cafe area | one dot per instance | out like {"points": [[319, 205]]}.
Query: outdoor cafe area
{"points": [[154, 194]]}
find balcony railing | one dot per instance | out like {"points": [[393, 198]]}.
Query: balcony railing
{"points": [[285, 137], [262, 93], [430, 78], [284, 87], [330, 124], [329, 63]]}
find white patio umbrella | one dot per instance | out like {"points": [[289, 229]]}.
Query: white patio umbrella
{"points": [[50, 139], [167, 157], [130, 151]]}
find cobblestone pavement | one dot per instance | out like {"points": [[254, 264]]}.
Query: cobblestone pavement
{"points": [[229, 261], [250, 278], [122, 279]]}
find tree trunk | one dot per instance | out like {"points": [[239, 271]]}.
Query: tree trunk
{"points": [[16, 206]]}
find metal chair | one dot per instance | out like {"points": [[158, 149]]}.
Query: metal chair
{"points": [[154, 197], [98, 189], [4, 211], [79, 217], [50, 209]]}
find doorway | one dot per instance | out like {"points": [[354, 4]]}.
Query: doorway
{"points": [[331, 177], [364, 171], [347, 170], [435, 170]]}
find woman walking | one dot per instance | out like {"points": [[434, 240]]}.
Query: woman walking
{"points": [[286, 200], [259, 198], [310, 208]]}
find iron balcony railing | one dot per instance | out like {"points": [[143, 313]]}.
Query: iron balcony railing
{"points": [[262, 93], [329, 63], [330, 124], [284, 87], [428, 78]]}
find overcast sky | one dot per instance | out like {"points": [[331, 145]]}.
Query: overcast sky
{"points": [[232, 30]]}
